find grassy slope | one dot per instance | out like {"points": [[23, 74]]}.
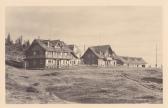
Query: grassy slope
{"points": [[84, 85]]}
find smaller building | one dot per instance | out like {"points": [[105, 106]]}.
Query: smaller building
{"points": [[99, 55], [131, 61]]}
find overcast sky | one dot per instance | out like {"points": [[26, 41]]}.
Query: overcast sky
{"points": [[130, 30]]}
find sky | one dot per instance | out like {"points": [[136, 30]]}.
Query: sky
{"points": [[130, 30]]}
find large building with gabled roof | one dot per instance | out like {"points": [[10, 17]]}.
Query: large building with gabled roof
{"points": [[44, 54]]}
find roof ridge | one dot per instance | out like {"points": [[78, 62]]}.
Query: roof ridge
{"points": [[43, 45], [137, 60], [129, 56], [99, 46]]}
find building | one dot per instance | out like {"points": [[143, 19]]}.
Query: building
{"points": [[99, 55], [44, 54], [131, 61]]}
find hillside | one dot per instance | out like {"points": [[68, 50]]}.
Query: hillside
{"points": [[84, 85]]}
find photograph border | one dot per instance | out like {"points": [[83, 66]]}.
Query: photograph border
{"points": [[15, 3]]}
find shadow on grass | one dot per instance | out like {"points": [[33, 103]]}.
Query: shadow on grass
{"points": [[151, 79]]}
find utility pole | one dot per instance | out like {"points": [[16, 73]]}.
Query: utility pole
{"points": [[156, 57]]}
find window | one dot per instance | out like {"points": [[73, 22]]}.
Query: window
{"points": [[49, 61], [34, 62], [34, 53], [58, 54], [52, 53], [41, 61], [65, 54]]}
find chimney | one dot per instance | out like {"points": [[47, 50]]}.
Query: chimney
{"points": [[48, 43]]}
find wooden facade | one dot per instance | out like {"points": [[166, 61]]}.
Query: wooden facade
{"points": [[100, 56], [49, 54]]}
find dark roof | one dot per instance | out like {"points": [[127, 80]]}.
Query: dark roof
{"points": [[98, 50], [102, 48], [131, 60], [71, 47], [53, 45]]}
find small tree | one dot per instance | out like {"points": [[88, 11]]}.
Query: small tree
{"points": [[26, 44], [8, 40], [18, 43]]}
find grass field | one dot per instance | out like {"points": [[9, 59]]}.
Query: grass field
{"points": [[84, 84]]}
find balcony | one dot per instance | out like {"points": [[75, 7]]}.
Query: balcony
{"points": [[68, 56], [59, 56], [35, 56]]}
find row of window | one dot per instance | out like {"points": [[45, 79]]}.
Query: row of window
{"points": [[55, 54], [37, 62], [61, 62], [103, 63], [133, 65]]}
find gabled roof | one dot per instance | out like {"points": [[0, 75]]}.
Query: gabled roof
{"points": [[102, 48], [131, 60], [52, 45], [99, 51]]}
